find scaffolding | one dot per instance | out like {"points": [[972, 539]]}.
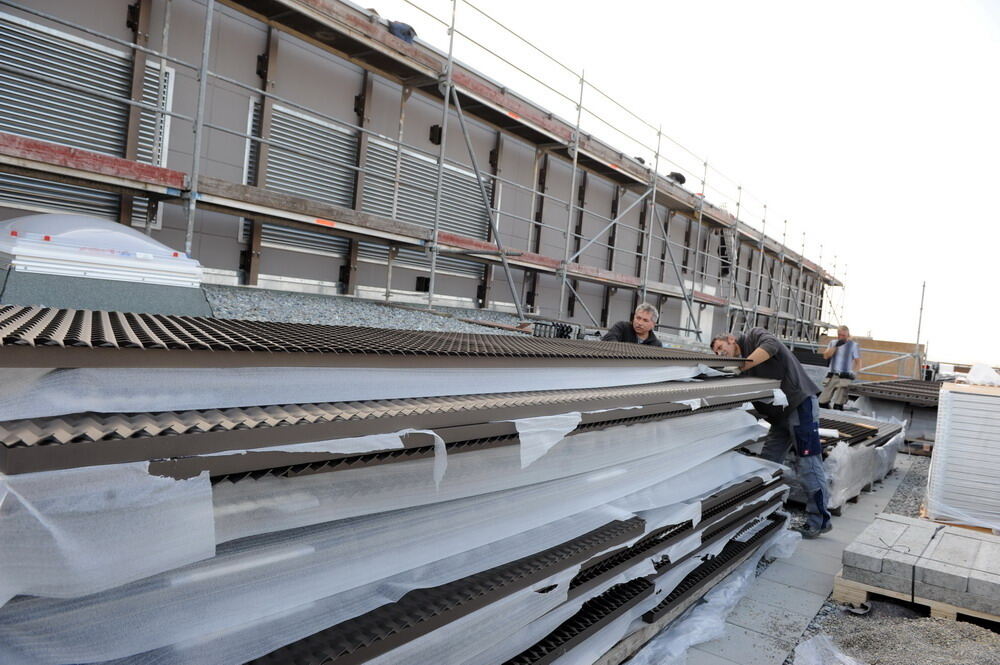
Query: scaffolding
{"points": [[722, 262]]}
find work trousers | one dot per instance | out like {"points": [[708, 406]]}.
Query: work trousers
{"points": [[800, 425], [835, 389]]}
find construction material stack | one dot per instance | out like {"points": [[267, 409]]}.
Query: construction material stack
{"points": [[912, 400], [963, 483], [193, 490]]}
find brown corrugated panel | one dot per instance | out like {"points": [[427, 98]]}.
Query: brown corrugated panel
{"points": [[47, 337], [89, 439], [910, 391]]}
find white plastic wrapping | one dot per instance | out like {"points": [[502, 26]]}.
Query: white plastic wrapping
{"points": [[706, 621], [538, 435], [252, 579], [983, 375], [80, 531], [780, 398], [820, 650], [130, 390], [693, 404], [849, 469], [885, 455], [271, 504], [963, 482], [721, 599]]}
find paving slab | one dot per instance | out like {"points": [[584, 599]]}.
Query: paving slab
{"points": [[695, 656], [822, 560], [786, 597], [799, 577], [770, 620], [740, 642]]}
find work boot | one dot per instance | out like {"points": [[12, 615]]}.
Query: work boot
{"points": [[809, 532], [838, 407], [824, 405]]}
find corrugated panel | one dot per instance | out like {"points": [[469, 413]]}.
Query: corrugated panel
{"points": [[49, 112], [256, 343], [310, 158], [462, 210]]}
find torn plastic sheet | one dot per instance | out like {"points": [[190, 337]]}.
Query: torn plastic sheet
{"points": [[138, 390], [270, 503], [254, 578], [820, 650], [706, 621], [79, 531], [599, 643], [538, 435], [693, 404]]}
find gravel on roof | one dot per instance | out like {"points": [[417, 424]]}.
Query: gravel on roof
{"points": [[235, 302]]}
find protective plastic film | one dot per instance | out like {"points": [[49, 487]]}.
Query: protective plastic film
{"points": [[129, 390], [246, 594], [80, 531], [251, 507], [538, 435]]}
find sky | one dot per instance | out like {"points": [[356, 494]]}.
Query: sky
{"points": [[872, 127]]}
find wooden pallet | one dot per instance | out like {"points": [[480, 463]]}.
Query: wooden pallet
{"points": [[980, 529], [849, 591]]}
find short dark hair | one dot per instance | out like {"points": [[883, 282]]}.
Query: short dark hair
{"points": [[720, 338]]}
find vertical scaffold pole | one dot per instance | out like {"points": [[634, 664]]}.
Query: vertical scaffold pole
{"points": [[644, 287], [160, 102], [445, 87], [698, 263], [920, 321], [199, 120], [563, 311], [760, 266]]}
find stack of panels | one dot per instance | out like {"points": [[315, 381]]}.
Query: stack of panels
{"points": [[963, 483], [911, 400], [857, 452], [206, 491]]}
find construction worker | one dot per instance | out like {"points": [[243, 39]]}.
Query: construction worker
{"points": [[797, 423], [637, 331], [845, 363]]}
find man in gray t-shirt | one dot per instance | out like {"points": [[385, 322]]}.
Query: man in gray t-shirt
{"points": [[798, 422]]}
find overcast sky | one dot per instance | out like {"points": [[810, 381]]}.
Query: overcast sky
{"points": [[872, 127]]}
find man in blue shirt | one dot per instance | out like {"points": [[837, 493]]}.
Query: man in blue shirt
{"points": [[845, 362], [797, 423]]}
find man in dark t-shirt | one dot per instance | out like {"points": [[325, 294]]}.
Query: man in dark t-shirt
{"points": [[797, 423], [637, 331]]}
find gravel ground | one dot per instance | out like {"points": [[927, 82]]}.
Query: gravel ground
{"points": [[909, 495], [229, 302]]}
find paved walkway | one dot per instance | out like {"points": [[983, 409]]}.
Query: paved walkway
{"points": [[765, 626]]}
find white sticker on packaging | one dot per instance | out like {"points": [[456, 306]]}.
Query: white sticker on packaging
{"points": [[539, 435]]}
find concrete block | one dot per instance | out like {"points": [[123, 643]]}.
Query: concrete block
{"points": [[898, 584], [988, 558], [955, 548], [864, 557], [986, 585], [944, 575], [881, 533], [957, 598], [899, 564]]}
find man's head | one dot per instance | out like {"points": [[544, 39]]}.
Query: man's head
{"points": [[844, 333], [726, 345], [644, 319]]}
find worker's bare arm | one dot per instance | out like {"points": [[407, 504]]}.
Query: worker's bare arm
{"points": [[758, 356]]}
